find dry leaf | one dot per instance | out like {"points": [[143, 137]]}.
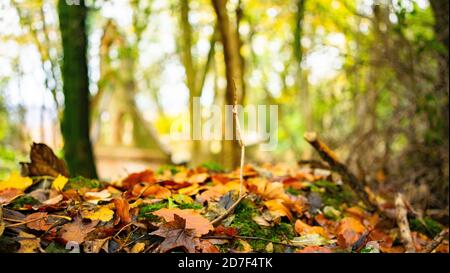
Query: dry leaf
{"points": [[39, 221], [176, 234], [194, 220], [277, 207], [123, 210], [349, 231], [77, 231], [103, 214], [44, 162], [29, 245], [145, 190], [8, 195], [59, 183], [304, 229], [16, 181]]}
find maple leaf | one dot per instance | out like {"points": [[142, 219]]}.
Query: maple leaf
{"points": [[77, 231], [59, 183], [16, 181], [175, 235], [194, 220], [44, 162]]}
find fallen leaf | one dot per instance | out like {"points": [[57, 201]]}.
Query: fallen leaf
{"points": [[138, 248], [95, 197], [304, 229], [194, 220], [44, 162], [123, 210], [59, 183], [145, 190], [176, 234], [310, 240], [136, 178], [53, 201], [277, 207], [349, 231], [77, 231], [28, 243], [96, 245], [16, 181], [198, 178], [38, 221], [315, 249], [103, 214], [8, 195]]}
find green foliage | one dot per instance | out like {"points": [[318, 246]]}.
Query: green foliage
{"points": [[80, 182], [213, 166], [173, 169], [22, 201], [429, 227], [56, 248], [247, 227]]}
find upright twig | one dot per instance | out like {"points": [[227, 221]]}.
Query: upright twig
{"points": [[240, 140], [403, 225]]}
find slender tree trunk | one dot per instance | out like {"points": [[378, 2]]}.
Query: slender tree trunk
{"points": [[233, 75], [75, 121]]}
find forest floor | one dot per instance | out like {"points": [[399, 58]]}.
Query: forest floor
{"points": [[267, 208]]}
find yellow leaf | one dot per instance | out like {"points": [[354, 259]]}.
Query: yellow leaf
{"points": [[103, 214], [59, 182], [138, 248], [29, 245], [276, 206], [16, 181]]}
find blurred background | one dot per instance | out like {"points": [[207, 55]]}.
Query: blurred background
{"points": [[102, 82]]}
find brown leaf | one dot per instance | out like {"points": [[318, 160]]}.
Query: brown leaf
{"points": [[29, 245], [349, 231], [194, 220], [176, 235], [145, 189], [136, 178], [77, 231], [123, 210], [9, 194], [44, 162], [39, 221]]}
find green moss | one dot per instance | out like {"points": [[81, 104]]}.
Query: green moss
{"points": [[295, 191], [190, 206], [22, 201], [173, 169], [56, 248], [429, 227], [213, 166], [247, 227], [146, 211], [80, 182]]}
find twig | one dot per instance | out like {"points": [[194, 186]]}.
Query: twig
{"points": [[402, 222], [219, 219], [240, 140], [436, 241], [330, 157], [246, 238]]}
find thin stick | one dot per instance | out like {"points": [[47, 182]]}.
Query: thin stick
{"points": [[219, 219], [330, 157], [402, 222], [436, 241], [247, 238], [240, 140]]}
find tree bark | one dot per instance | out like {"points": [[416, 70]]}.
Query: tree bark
{"points": [[75, 121], [231, 148]]}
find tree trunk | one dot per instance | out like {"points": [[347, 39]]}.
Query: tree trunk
{"points": [[231, 148], [75, 121]]}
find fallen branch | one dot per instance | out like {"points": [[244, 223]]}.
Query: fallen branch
{"points": [[403, 225], [330, 157], [436, 241], [219, 219], [246, 238]]}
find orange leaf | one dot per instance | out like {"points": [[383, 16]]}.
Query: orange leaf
{"points": [[276, 206], [194, 220], [135, 178], [303, 228], [349, 231], [145, 189], [123, 210]]}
